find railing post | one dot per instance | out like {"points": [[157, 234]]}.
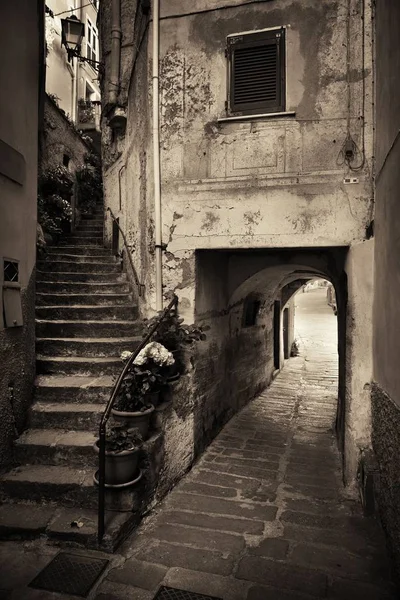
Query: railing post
{"points": [[102, 465]]}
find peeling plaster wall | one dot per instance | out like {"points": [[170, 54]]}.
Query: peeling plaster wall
{"points": [[386, 391], [359, 269], [273, 183], [269, 182], [19, 144]]}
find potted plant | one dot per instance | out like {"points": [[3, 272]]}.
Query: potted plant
{"points": [[176, 337], [123, 444], [141, 385]]}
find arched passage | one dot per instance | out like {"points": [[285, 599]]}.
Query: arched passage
{"points": [[245, 354]]}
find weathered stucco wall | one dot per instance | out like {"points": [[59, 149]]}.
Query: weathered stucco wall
{"points": [[255, 184], [18, 180], [273, 182], [386, 396]]}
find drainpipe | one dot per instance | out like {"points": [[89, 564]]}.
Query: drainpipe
{"points": [[156, 153], [115, 57]]}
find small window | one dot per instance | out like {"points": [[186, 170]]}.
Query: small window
{"points": [[257, 72], [66, 160], [92, 41], [11, 271], [250, 311]]}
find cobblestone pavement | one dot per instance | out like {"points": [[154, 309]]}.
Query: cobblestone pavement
{"points": [[263, 515]]}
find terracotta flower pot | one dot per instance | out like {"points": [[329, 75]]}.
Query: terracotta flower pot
{"points": [[139, 420], [121, 467]]}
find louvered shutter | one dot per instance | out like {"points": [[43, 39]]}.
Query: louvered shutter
{"points": [[257, 72]]}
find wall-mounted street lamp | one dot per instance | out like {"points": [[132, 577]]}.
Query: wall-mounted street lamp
{"points": [[72, 33]]}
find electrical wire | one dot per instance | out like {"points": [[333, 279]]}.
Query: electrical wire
{"points": [[73, 9]]}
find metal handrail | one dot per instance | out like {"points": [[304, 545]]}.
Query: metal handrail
{"points": [[139, 285], [107, 412]]}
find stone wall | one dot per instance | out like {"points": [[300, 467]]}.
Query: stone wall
{"points": [[386, 316], [59, 139], [20, 76], [386, 443]]}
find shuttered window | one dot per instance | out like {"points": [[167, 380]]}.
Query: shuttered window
{"points": [[257, 72]]}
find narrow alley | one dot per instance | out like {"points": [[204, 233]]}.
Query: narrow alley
{"points": [[263, 515]]}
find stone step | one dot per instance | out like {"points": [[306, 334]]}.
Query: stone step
{"points": [[75, 249], [95, 219], [73, 388], [82, 240], [84, 233], [67, 415], [78, 365], [88, 230], [77, 328], [56, 447], [65, 266], [26, 521], [100, 347], [96, 299], [99, 277], [126, 313], [68, 287], [90, 224], [38, 483], [81, 258]]}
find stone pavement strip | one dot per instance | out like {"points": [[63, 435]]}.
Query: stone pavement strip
{"points": [[263, 515]]}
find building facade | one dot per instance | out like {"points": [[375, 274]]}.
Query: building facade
{"points": [[386, 387], [266, 181], [22, 72], [74, 84]]}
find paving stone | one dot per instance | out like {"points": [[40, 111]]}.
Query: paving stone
{"points": [[342, 589], [265, 474], [173, 555], [226, 588], [110, 590], [200, 538], [317, 507], [340, 562], [268, 452], [213, 522], [271, 548], [347, 539], [308, 520], [259, 463], [282, 576], [23, 519], [312, 491], [222, 507], [235, 481], [264, 593], [209, 490], [139, 574]]}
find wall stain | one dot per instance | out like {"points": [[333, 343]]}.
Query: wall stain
{"points": [[210, 221]]}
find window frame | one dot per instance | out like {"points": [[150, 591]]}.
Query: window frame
{"points": [[92, 30], [251, 311], [249, 39]]}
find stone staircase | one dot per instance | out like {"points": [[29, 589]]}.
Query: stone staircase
{"points": [[86, 316]]}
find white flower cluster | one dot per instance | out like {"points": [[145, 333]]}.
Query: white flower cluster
{"points": [[155, 352]]}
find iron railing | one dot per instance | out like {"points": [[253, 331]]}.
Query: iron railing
{"points": [[107, 413], [140, 286]]}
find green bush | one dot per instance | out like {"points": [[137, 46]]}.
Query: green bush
{"points": [[90, 184], [54, 192]]}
